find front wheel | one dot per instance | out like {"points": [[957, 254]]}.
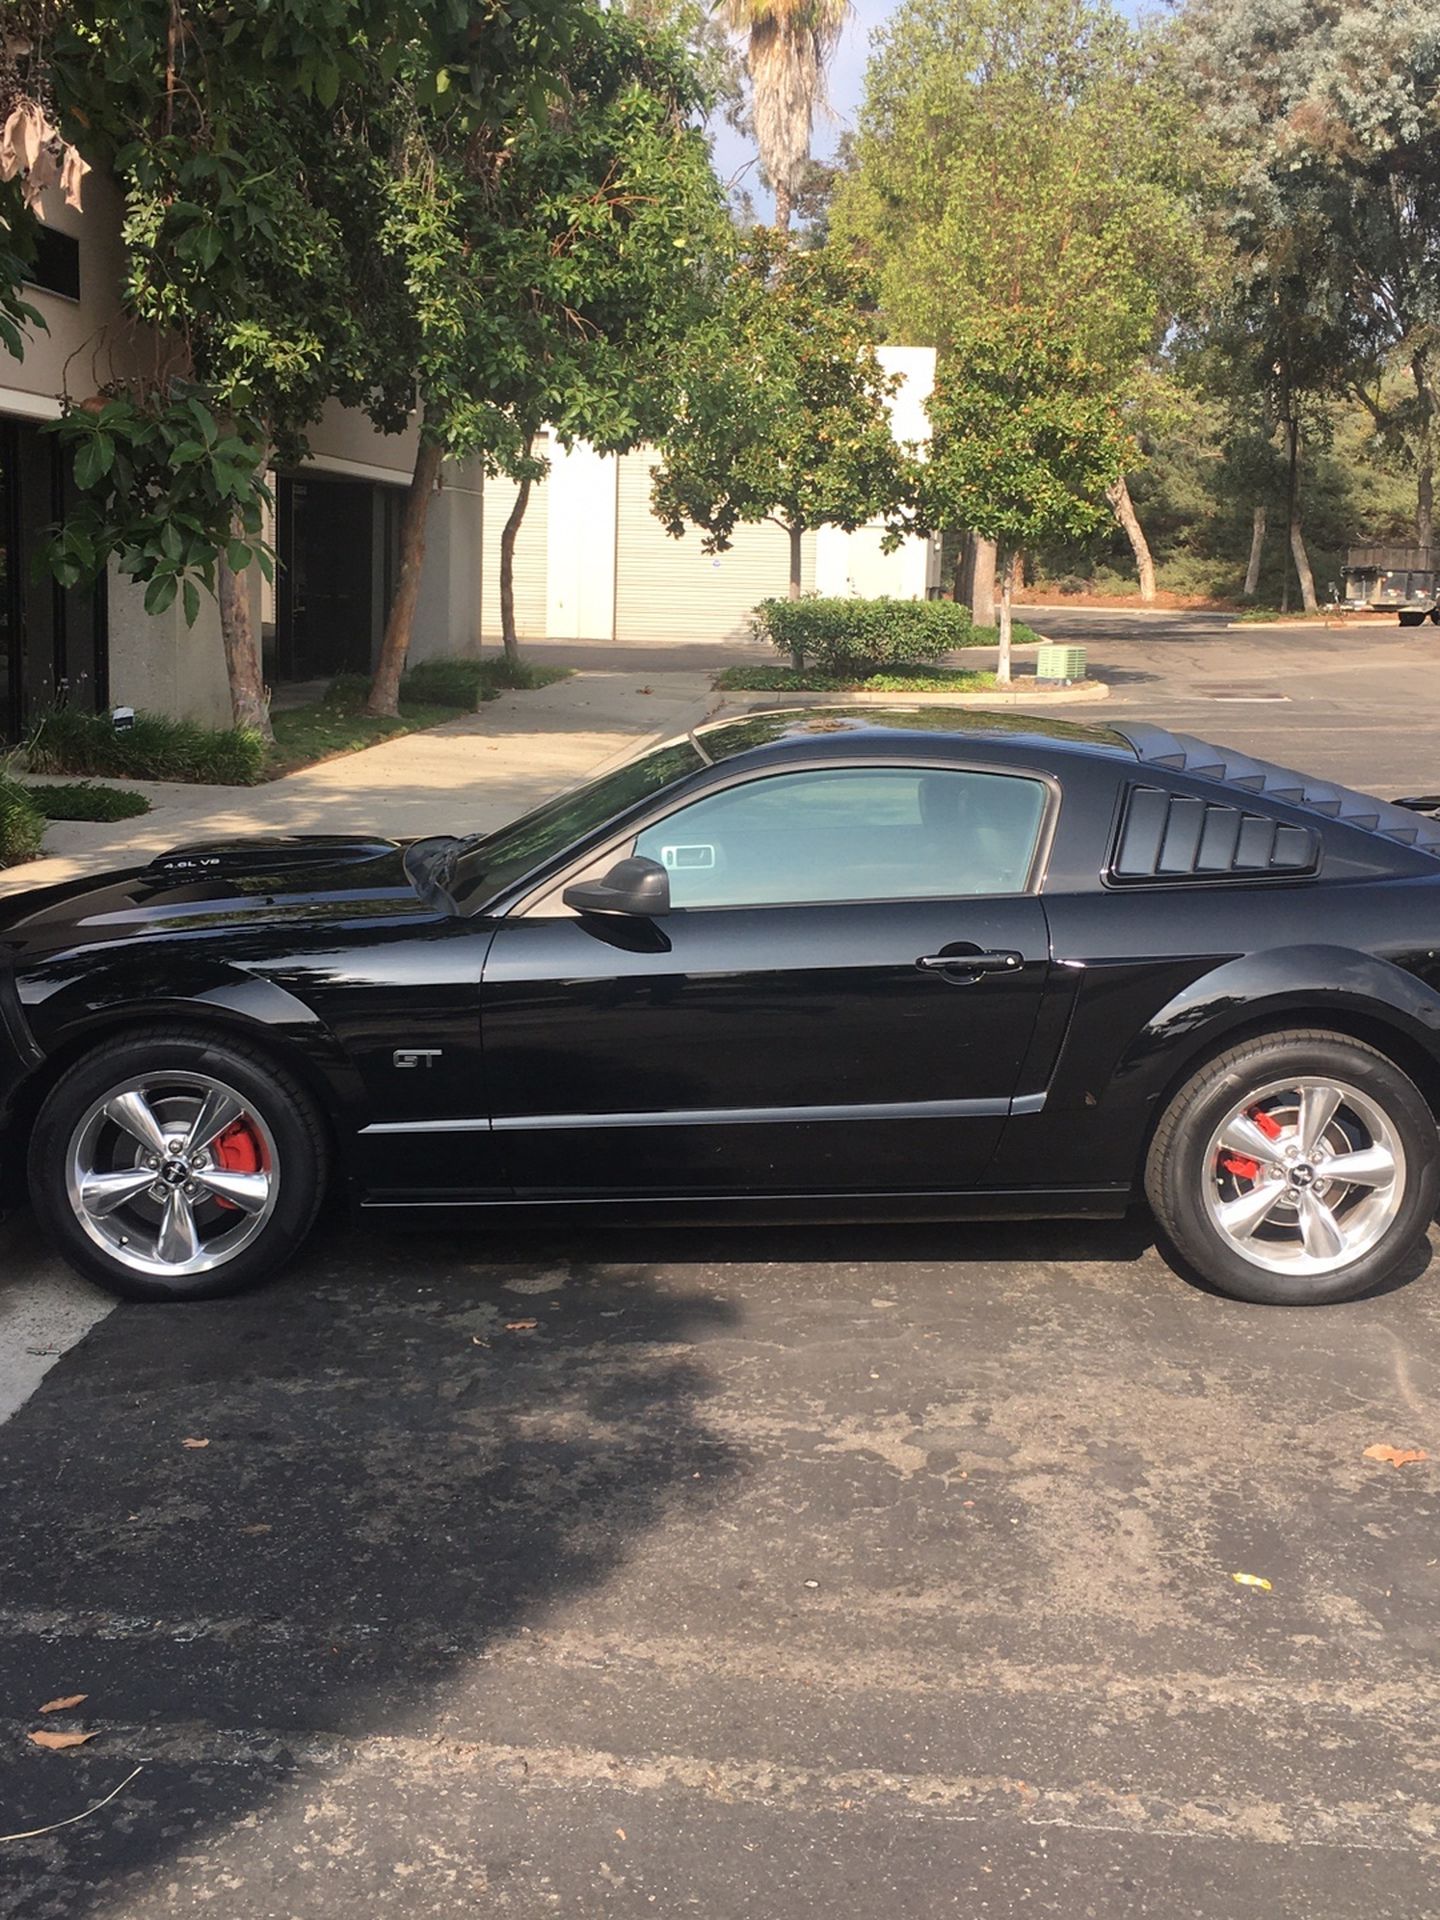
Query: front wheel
{"points": [[1298, 1168], [176, 1166]]}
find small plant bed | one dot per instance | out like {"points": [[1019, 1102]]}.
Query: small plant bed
{"points": [[431, 694], [85, 800], [154, 748], [21, 827], [467, 684], [793, 680]]}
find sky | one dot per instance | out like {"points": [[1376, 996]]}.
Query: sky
{"points": [[735, 158]]}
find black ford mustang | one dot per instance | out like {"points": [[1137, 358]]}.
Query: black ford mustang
{"points": [[797, 966]]}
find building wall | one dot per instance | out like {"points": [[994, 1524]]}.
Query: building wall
{"points": [[593, 563]]}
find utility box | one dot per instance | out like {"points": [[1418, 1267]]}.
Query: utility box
{"points": [[1060, 666]]}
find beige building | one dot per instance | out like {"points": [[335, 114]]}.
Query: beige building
{"points": [[592, 562]]}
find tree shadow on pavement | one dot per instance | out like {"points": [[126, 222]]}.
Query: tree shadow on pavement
{"points": [[409, 1456]]}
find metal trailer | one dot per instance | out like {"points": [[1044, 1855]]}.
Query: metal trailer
{"points": [[1400, 580]]}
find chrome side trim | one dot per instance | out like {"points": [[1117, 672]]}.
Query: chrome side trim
{"points": [[1025, 1103]]}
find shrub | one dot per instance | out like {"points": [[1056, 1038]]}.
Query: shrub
{"points": [[862, 636], [83, 800], [805, 680], [465, 683], [155, 748], [21, 828]]}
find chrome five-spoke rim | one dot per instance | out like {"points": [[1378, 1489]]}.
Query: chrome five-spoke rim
{"points": [[1304, 1176], [172, 1174]]}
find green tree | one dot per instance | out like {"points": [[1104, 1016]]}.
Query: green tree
{"points": [[1330, 119], [782, 414], [787, 44], [1027, 154], [254, 148], [552, 278], [1026, 440]]}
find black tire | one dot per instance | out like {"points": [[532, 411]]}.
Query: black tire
{"points": [[1177, 1172], [1411, 619], [300, 1158]]}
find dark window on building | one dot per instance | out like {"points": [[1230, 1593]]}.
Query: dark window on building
{"points": [[56, 267], [52, 639]]}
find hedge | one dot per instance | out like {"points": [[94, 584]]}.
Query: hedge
{"points": [[21, 828], [854, 636], [155, 748]]}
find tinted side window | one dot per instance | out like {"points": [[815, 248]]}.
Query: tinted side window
{"points": [[851, 833]]}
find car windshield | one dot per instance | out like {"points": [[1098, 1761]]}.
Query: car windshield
{"points": [[486, 865]]}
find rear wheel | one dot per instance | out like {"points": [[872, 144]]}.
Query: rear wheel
{"points": [[1411, 618], [1300, 1167], [175, 1166]]}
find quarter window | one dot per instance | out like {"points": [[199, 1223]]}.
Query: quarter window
{"points": [[849, 834]]}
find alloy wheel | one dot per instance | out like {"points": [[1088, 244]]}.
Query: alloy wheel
{"points": [[1304, 1176], [172, 1174]]}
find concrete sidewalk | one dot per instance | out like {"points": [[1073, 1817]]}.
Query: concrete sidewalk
{"points": [[475, 772]]}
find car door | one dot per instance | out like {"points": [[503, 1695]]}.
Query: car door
{"points": [[840, 997]]}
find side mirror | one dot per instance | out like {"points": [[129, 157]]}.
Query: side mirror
{"points": [[637, 886]]}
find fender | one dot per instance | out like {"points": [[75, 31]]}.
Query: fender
{"points": [[1102, 1103], [63, 1012]]}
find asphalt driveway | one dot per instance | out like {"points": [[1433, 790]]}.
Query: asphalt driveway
{"points": [[889, 1572]]}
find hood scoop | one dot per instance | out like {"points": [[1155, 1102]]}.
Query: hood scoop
{"points": [[275, 854]]}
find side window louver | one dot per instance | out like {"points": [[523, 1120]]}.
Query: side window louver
{"points": [[1172, 836]]}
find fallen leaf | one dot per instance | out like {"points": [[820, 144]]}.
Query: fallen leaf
{"points": [[261, 1526], [619, 1833], [64, 1705], [57, 1742], [1397, 1456], [1250, 1580], [521, 1326], [192, 1442]]}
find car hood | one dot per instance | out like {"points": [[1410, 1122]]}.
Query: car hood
{"points": [[216, 884]]}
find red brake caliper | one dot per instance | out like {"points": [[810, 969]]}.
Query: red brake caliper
{"points": [[238, 1149], [1237, 1164]]}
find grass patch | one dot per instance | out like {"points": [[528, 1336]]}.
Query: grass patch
{"points": [[788, 680], [1257, 616], [84, 800], [21, 827], [467, 684], [339, 724], [430, 694], [155, 748]]}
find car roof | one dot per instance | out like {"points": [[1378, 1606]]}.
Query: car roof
{"points": [[842, 729]]}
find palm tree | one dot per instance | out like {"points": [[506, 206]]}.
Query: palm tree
{"points": [[787, 45]]}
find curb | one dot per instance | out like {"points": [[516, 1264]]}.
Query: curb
{"points": [[781, 699]]}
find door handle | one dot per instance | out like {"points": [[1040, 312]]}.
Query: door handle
{"points": [[971, 964]]}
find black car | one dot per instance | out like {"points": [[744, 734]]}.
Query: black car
{"points": [[798, 966]]}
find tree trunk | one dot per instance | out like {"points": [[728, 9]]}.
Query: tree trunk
{"points": [[1257, 548], [1297, 537], [1007, 587], [797, 536], [1424, 449], [782, 209], [1124, 506], [507, 567], [982, 580], [249, 701], [395, 647]]}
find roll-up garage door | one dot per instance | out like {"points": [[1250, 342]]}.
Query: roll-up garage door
{"points": [[530, 558], [671, 590]]}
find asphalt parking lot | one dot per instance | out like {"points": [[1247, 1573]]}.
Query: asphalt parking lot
{"points": [[883, 1572]]}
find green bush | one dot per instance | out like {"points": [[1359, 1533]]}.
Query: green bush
{"points": [[83, 800], [155, 748], [21, 828], [863, 636], [466, 683], [804, 680]]}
